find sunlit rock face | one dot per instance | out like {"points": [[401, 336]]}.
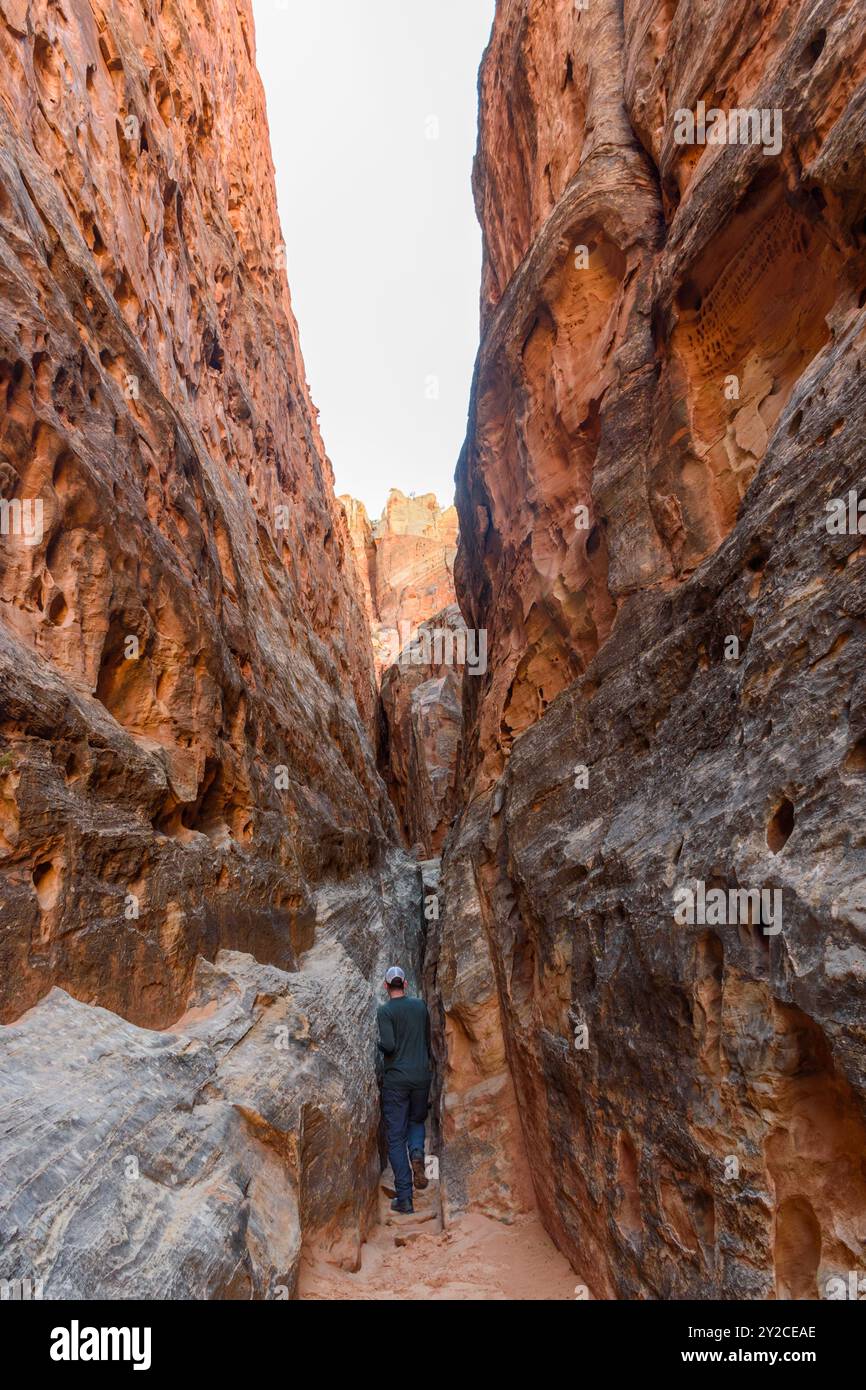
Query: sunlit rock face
{"points": [[405, 564], [668, 394], [187, 691], [186, 625]]}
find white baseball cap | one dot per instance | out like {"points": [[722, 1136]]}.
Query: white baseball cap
{"points": [[395, 973]]}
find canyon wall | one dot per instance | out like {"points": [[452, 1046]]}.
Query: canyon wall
{"points": [[200, 879], [669, 392], [422, 718], [405, 567], [193, 831], [405, 564]]}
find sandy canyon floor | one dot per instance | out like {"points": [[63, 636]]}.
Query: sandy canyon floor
{"points": [[474, 1257]]}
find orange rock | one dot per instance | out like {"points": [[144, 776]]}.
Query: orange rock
{"points": [[422, 710], [187, 689], [668, 394], [405, 563], [187, 680]]}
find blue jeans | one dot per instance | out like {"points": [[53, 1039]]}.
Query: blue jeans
{"points": [[404, 1113]]}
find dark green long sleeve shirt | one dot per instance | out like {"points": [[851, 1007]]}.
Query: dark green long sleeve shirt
{"points": [[404, 1031]]}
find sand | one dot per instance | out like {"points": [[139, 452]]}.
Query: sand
{"points": [[474, 1257]]}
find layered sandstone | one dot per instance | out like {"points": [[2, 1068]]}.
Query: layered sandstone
{"points": [[405, 564], [668, 393], [187, 692], [200, 1161]]}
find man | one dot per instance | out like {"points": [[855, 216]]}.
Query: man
{"points": [[404, 1033]]}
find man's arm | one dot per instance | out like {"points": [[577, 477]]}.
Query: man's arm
{"points": [[387, 1041]]}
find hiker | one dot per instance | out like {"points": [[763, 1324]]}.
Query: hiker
{"points": [[404, 1038]]}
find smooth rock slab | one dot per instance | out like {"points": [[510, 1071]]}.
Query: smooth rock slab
{"points": [[190, 1163]]}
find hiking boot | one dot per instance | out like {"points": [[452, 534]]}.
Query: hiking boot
{"points": [[403, 1206], [417, 1161]]}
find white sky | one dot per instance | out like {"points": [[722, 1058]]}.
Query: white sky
{"points": [[383, 249]]}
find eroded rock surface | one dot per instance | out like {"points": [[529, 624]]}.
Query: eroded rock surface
{"points": [[198, 1161], [405, 564], [669, 391], [187, 684], [187, 691], [422, 712]]}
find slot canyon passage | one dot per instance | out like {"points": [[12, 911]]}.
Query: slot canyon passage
{"points": [[239, 777]]}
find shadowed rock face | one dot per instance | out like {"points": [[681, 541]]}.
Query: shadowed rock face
{"points": [[405, 565], [669, 391], [187, 691], [421, 708]]}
